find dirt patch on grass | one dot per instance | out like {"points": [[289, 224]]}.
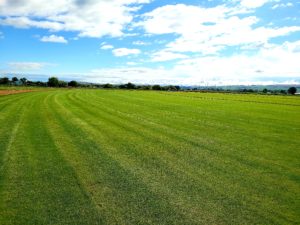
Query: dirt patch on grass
{"points": [[11, 92]]}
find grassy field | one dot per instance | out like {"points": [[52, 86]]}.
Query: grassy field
{"points": [[142, 157]]}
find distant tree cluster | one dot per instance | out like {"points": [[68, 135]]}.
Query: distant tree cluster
{"points": [[291, 90], [52, 82], [14, 81], [132, 86], [148, 87], [55, 82]]}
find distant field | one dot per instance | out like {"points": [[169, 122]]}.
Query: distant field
{"points": [[143, 157]]}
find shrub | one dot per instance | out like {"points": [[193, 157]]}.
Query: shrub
{"points": [[292, 90]]}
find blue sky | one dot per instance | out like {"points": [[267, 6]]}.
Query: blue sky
{"points": [[152, 41]]}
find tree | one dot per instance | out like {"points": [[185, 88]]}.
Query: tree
{"points": [[23, 80], [144, 87], [14, 79], [53, 82], [62, 83], [171, 88], [156, 87], [130, 86], [283, 92], [4, 80], [108, 86], [127, 86], [265, 90], [73, 83], [122, 86], [177, 88], [292, 90]]}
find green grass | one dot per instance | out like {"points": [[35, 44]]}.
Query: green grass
{"points": [[142, 157]]}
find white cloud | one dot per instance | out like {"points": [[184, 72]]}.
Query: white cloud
{"points": [[125, 52], [180, 18], [272, 63], [283, 5], [26, 66], [208, 30], [90, 18], [106, 47], [254, 3], [25, 22], [163, 55], [54, 38]]}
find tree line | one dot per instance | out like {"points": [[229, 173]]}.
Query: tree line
{"points": [[290, 90], [55, 82]]}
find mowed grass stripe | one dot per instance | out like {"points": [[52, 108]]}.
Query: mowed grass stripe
{"points": [[9, 126], [10, 123], [156, 165], [128, 200], [38, 186], [6, 101], [104, 126]]}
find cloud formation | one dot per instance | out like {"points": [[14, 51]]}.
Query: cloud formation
{"points": [[162, 56], [253, 3], [209, 30], [90, 18], [106, 47], [53, 38], [119, 52], [26, 66]]}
